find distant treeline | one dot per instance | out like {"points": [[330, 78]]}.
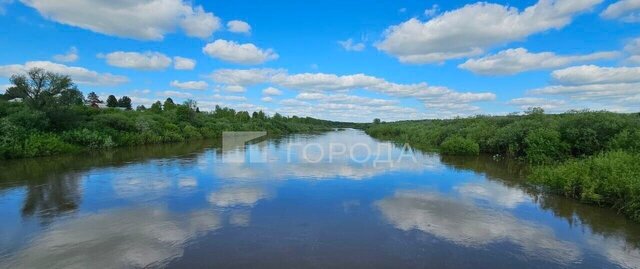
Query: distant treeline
{"points": [[44, 113], [593, 156]]}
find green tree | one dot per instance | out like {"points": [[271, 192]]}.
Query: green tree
{"points": [[39, 88], [156, 107], [93, 98], [169, 104], [71, 97], [376, 121], [141, 108], [112, 101], [125, 102]]}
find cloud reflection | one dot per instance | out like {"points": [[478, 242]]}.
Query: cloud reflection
{"points": [[467, 225], [124, 238]]}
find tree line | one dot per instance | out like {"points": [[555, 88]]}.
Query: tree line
{"points": [[53, 117]]}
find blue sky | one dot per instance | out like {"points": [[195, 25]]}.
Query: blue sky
{"points": [[342, 60]]}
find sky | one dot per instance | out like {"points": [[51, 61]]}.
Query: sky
{"points": [[341, 60]]}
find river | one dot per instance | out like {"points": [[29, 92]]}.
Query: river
{"points": [[337, 199]]}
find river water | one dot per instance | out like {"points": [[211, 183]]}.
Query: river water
{"points": [[337, 199]]}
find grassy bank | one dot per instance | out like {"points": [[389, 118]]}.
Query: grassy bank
{"points": [[590, 156], [27, 132]]}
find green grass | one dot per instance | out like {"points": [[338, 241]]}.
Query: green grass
{"points": [[608, 179]]}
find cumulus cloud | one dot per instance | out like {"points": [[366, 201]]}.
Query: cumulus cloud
{"points": [[147, 20], [70, 56], [513, 61], [553, 105], [591, 74], [632, 48], [611, 88], [79, 75], [237, 26], [624, 10], [349, 45], [247, 54], [434, 97], [271, 91], [266, 99], [190, 85], [149, 60], [181, 63], [470, 30]]}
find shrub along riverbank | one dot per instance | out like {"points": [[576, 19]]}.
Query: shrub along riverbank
{"points": [[53, 117], [590, 156]]}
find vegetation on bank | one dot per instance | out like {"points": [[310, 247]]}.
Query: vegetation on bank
{"points": [[592, 156], [53, 117], [607, 179]]}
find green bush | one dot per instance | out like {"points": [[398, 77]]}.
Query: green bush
{"points": [[457, 145], [544, 146], [89, 139], [607, 179], [43, 145]]}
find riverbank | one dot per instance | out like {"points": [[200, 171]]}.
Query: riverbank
{"points": [[589, 156], [27, 132]]}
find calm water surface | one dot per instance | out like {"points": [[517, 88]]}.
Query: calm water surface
{"points": [[265, 205]]}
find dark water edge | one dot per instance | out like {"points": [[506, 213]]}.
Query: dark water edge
{"points": [[281, 215]]}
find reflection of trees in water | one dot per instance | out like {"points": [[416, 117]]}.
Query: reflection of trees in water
{"points": [[513, 173], [53, 184], [56, 196]]}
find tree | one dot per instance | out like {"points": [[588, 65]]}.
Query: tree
{"points": [[125, 102], [141, 108], [93, 98], [376, 121], [71, 97], [156, 107], [112, 101], [39, 88], [169, 104]]}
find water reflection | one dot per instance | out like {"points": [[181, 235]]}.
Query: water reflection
{"points": [[122, 238], [283, 201], [468, 225]]}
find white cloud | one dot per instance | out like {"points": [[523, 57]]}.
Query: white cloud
{"points": [[434, 10], [70, 56], [174, 94], [233, 88], [237, 26], [244, 77], [146, 20], [79, 75], [267, 99], [470, 30], [141, 61], [610, 88], [438, 98], [199, 23], [190, 85], [550, 105], [624, 10], [181, 63], [518, 60], [632, 48], [233, 98], [231, 51], [591, 74], [271, 91], [349, 45]]}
